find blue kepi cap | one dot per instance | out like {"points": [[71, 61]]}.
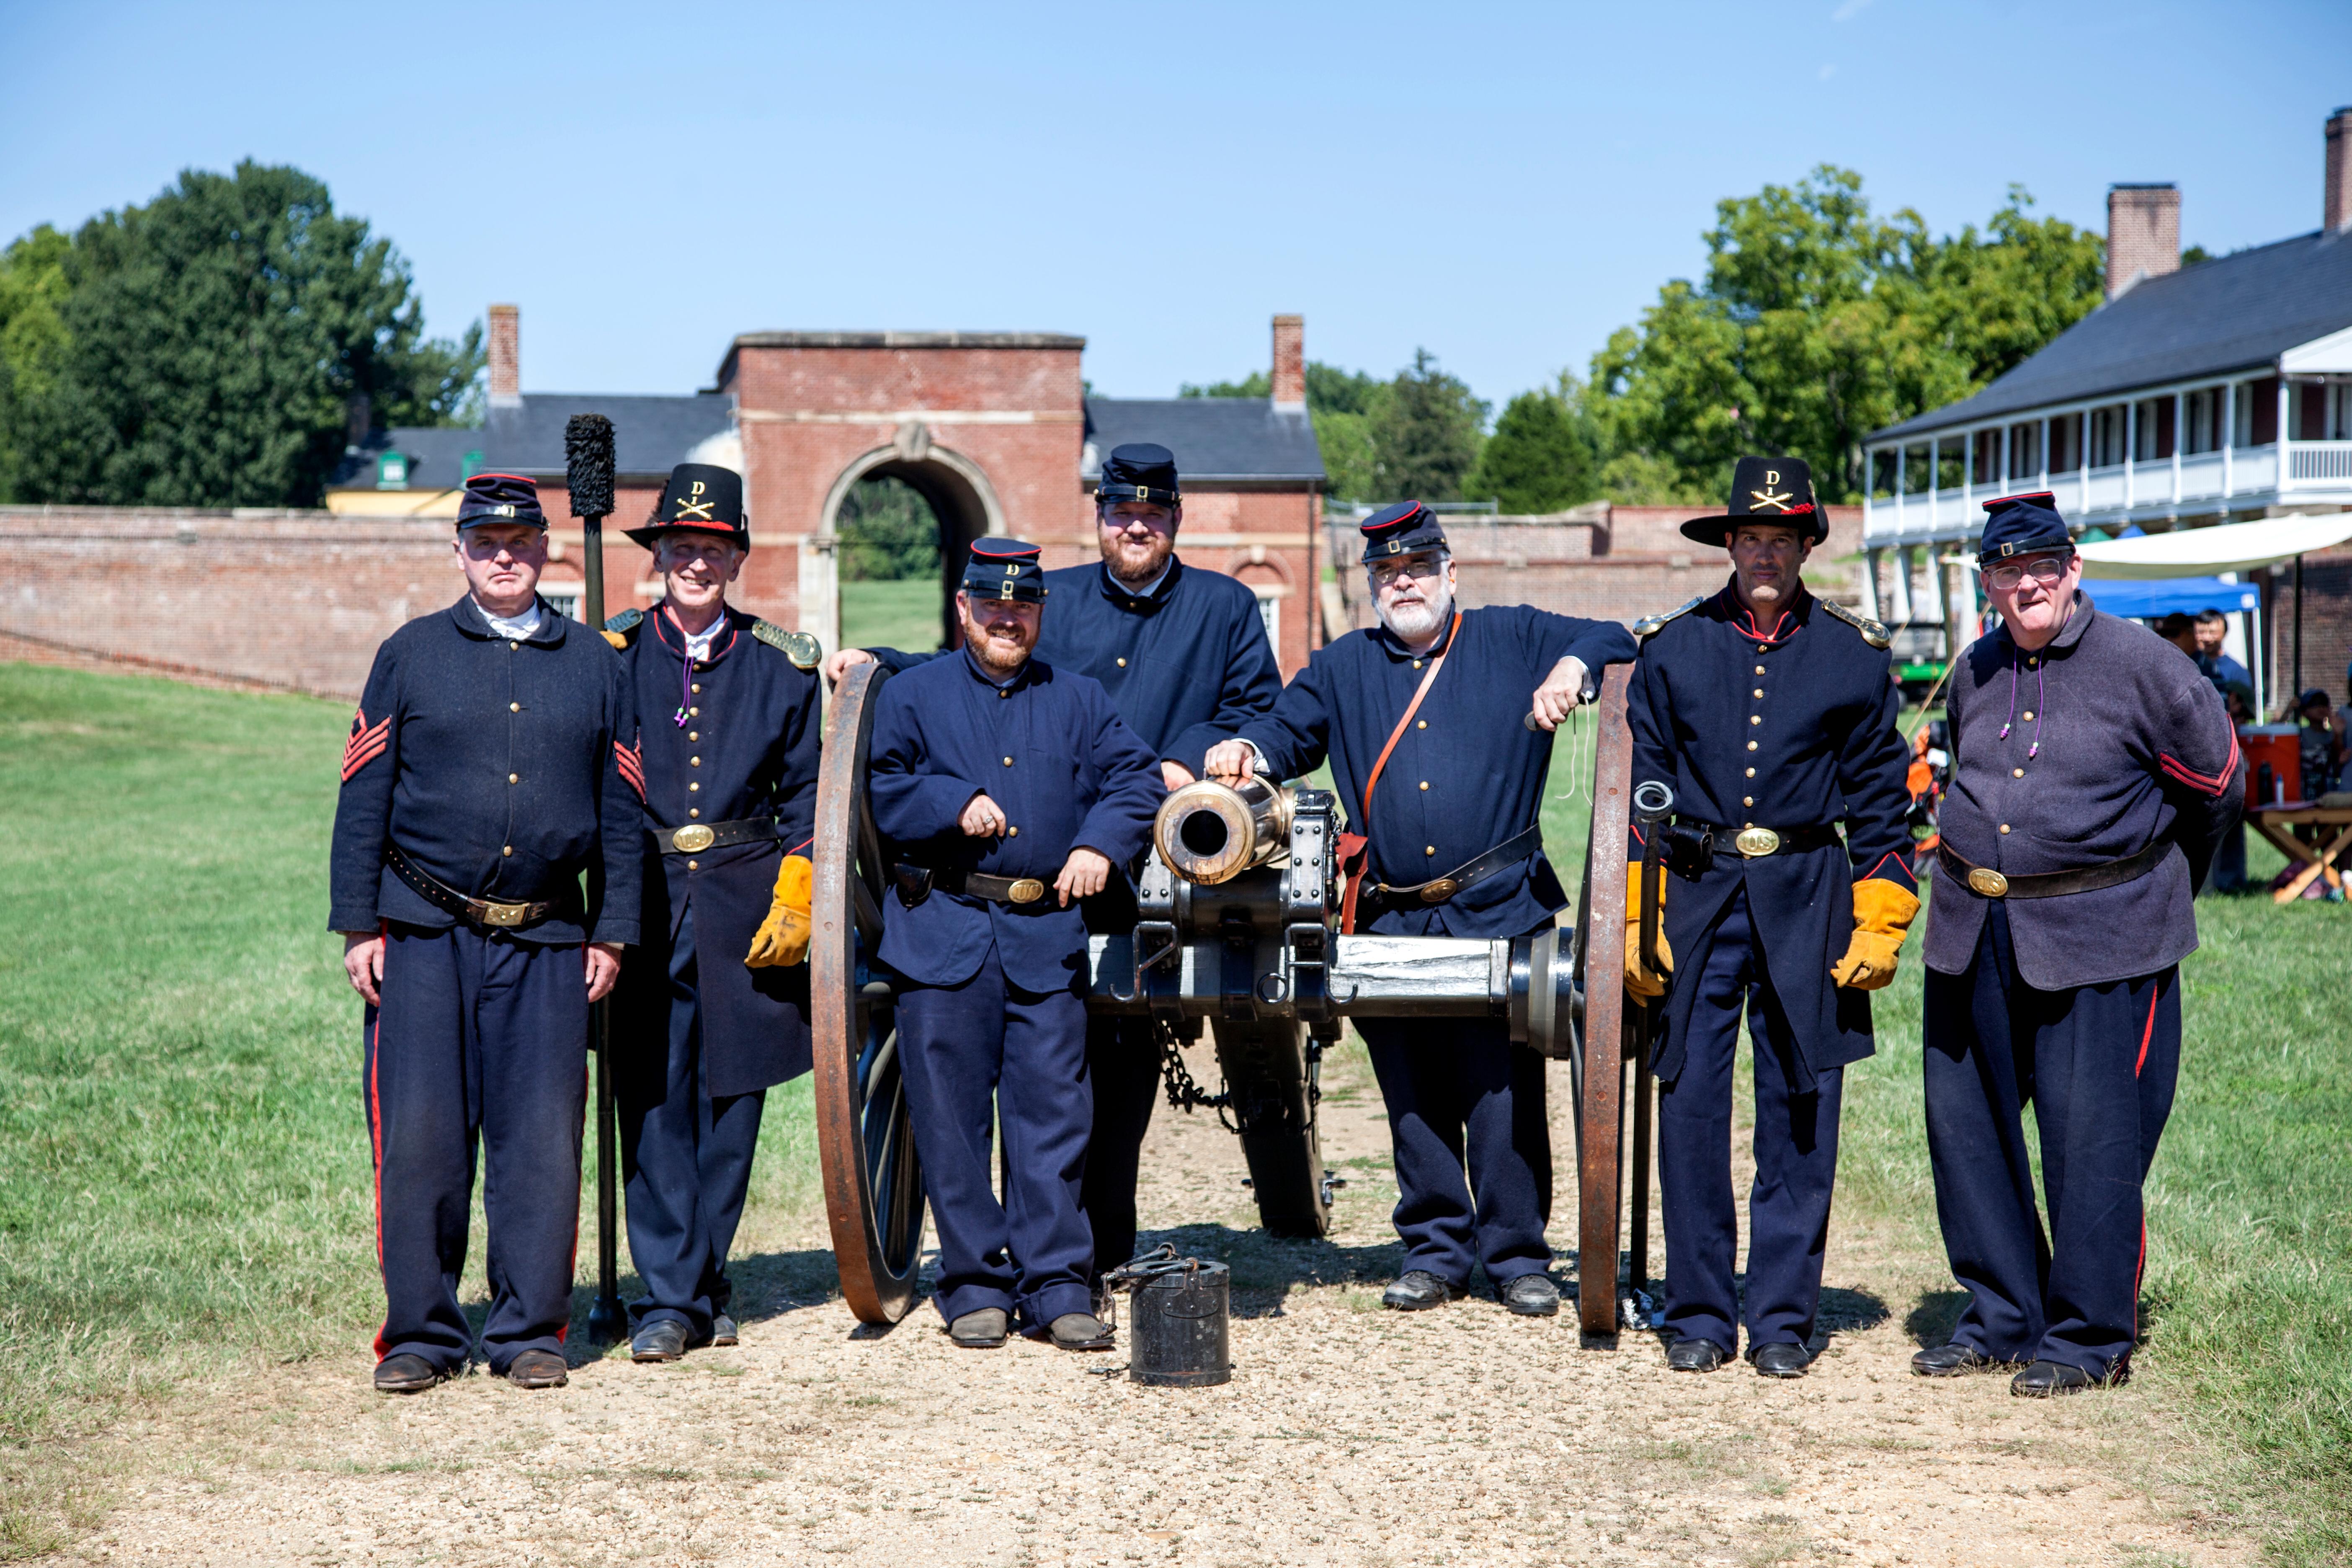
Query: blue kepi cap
{"points": [[1138, 470], [2022, 525], [500, 498], [1004, 569], [1400, 530]]}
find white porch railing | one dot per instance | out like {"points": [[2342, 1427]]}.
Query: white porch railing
{"points": [[2242, 477], [2319, 463]]}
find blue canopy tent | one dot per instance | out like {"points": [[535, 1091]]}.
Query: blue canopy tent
{"points": [[2145, 598]]}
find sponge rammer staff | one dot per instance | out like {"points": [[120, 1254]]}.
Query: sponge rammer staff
{"points": [[588, 471]]}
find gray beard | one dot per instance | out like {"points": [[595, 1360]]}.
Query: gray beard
{"points": [[1414, 622]]}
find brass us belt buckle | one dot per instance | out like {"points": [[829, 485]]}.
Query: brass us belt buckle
{"points": [[688, 839], [1440, 891], [503, 914], [1987, 882], [1755, 841], [1027, 891]]}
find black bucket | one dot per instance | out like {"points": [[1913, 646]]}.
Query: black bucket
{"points": [[1177, 1317]]}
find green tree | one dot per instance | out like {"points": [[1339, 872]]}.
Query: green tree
{"points": [[1257, 383], [1543, 456], [32, 341], [1817, 323], [1426, 433], [224, 339], [888, 532]]}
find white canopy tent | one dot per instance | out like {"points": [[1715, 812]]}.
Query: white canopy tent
{"points": [[2229, 547], [2206, 552]]}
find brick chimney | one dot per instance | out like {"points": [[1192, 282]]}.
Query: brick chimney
{"points": [[2339, 170], [2143, 234], [1290, 363], [506, 356]]}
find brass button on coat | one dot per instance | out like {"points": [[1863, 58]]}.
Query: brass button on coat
{"points": [[694, 762], [2029, 714], [514, 778], [1430, 850], [1748, 800], [1751, 773], [693, 787], [1421, 724], [1424, 784], [1759, 691], [508, 850], [2017, 772], [694, 811], [1752, 745], [698, 686], [1122, 664], [1008, 762], [694, 734], [1756, 717], [2004, 828], [514, 707], [694, 865]]}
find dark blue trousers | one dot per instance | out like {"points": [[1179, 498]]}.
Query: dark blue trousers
{"points": [[2098, 1064], [1123, 1066], [986, 1045], [1456, 1088], [1796, 1155], [687, 1160], [482, 1036]]}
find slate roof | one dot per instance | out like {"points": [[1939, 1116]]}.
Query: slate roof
{"points": [[651, 436], [1214, 438], [2237, 313]]}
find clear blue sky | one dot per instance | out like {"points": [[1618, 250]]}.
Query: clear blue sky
{"points": [[1504, 184]]}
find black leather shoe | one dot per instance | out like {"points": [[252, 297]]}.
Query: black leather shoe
{"points": [[1695, 1355], [1079, 1331], [1531, 1296], [2048, 1379], [537, 1369], [1417, 1290], [980, 1330], [406, 1373], [664, 1338], [722, 1331], [1954, 1361], [1779, 1359]]}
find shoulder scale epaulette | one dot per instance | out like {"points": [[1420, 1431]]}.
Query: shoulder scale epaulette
{"points": [[1872, 632], [621, 630], [1647, 626], [802, 649]]}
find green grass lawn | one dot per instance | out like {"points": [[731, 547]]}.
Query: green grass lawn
{"points": [[901, 615], [184, 1181]]}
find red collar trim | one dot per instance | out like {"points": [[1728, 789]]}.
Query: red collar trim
{"points": [[718, 650], [1741, 619]]}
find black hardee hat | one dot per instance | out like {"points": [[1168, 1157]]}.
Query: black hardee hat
{"points": [[1004, 569], [1400, 530], [500, 498], [2021, 525], [700, 498], [1765, 489], [1138, 470]]}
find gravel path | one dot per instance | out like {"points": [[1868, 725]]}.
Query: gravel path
{"points": [[1348, 1435]]}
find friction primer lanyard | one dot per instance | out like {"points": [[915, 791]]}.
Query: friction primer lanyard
{"points": [[1355, 849]]}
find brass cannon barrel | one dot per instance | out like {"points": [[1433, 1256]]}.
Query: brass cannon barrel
{"points": [[1210, 833]]}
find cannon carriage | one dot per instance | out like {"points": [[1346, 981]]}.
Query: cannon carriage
{"points": [[1238, 930]]}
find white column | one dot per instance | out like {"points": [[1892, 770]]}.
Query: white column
{"points": [[1870, 559], [2180, 411], [2005, 464], [2283, 428], [1967, 477], [2082, 456], [2131, 453], [1900, 452], [1903, 585], [2230, 444], [2043, 482], [820, 586]]}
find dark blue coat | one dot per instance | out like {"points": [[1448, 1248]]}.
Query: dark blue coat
{"points": [[1050, 749], [1810, 706], [494, 765], [750, 743], [2135, 748], [1187, 664], [1466, 776]]}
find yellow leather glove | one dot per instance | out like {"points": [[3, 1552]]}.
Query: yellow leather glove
{"points": [[1882, 913], [783, 938], [616, 639], [1638, 979]]}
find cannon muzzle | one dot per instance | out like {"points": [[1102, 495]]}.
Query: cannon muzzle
{"points": [[1210, 833]]}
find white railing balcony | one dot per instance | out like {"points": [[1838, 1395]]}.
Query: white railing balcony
{"points": [[2253, 468], [2319, 465]]}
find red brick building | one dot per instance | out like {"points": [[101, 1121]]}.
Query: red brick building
{"points": [[993, 430]]}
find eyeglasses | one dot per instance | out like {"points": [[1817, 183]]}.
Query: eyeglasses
{"points": [[2043, 568], [1428, 570]]}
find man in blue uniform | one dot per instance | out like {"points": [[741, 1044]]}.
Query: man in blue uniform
{"points": [[2095, 773], [1772, 715], [1443, 781], [713, 1009], [1184, 657], [1008, 790], [482, 779]]}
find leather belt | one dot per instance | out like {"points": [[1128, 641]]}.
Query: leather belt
{"points": [[1437, 889], [1752, 843], [1987, 883], [1022, 895], [697, 836], [441, 895]]}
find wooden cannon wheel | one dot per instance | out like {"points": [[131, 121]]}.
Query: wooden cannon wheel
{"points": [[865, 1138], [1597, 1050]]}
